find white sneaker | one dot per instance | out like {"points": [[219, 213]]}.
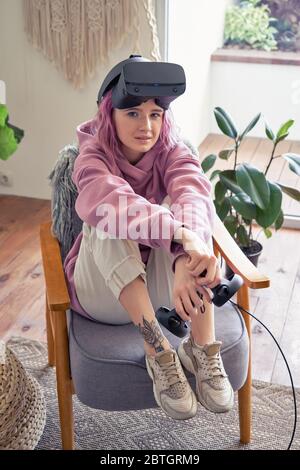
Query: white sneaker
{"points": [[214, 390], [171, 389]]}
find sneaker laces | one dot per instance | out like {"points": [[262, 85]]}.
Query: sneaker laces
{"points": [[215, 365], [175, 387], [170, 372], [214, 368], [218, 376]]}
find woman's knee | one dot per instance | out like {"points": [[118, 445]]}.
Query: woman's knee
{"points": [[118, 248]]}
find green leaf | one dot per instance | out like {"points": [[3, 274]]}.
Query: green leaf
{"points": [[231, 223], [208, 162], [269, 132], [266, 217], [214, 174], [242, 236], [220, 191], [267, 232], [250, 126], [3, 114], [8, 144], [284, 128], [18, 133], [225, 154], [228, 178], [244, 206], [292, 192], [282, 137], [225, 123], [294, 162], [223, 208], [279, 221], [253, 182]]}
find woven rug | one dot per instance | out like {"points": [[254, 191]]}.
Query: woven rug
{"points": [[149, 429]]}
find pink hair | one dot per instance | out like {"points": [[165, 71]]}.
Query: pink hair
{"points": [[106, 135]]}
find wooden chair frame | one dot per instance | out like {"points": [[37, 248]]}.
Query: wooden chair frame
{"points": [[58, 302]]}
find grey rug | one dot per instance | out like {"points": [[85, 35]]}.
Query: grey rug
{"points": [[273, 418]]}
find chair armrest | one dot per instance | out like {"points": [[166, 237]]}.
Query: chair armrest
{"points": [[56, 287], [236, 259]]}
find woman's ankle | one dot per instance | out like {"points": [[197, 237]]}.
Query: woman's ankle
{"points": [[201, 340], [151, 351]]}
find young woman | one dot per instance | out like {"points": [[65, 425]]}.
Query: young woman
{"points": [[147, 237]]}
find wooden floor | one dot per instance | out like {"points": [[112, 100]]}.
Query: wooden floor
{"points": [[22, 286], [22, 293]]}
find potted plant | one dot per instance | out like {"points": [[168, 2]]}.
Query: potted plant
{"points": [[10, 136], [244, 194], [248, 25]]}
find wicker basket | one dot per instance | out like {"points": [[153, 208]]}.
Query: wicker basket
{"points": [[22, 404]]}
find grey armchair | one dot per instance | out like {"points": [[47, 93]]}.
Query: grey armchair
{"points": [[104, 364]]}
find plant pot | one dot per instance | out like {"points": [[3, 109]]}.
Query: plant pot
{"points": [[252, 252]]}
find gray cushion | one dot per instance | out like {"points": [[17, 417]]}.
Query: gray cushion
{"points": [[108, 362]]}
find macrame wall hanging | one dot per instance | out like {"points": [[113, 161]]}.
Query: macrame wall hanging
{"points": [[78, 35]]}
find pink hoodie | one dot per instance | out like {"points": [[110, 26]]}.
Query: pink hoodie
{"points": [[143, 186]]}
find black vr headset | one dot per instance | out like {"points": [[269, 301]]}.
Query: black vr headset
{"points": [[136, 80]]}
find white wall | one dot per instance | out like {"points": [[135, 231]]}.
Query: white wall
{"points": [[47, 107], [244, 90], [2, 92], [42, 102], [195, 30]]}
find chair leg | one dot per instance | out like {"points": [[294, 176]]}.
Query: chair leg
{"points": [[50, 338], [64, 381], [244, 394]]}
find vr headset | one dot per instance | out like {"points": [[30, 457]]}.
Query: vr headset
{"points": [[136, 80]]}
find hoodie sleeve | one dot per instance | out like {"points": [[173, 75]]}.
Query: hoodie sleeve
{"points": [[190, 193], [108, 202]]}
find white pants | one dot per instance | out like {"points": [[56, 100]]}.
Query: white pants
{"points": [[105, 266]]}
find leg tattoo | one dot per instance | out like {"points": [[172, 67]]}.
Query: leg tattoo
{"points": [[152, 333]]}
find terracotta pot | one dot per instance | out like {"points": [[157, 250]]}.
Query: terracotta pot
{"points": [[252, 252]]}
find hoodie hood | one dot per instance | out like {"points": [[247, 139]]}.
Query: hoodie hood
{"points": [[141, 174], [84, 131]]}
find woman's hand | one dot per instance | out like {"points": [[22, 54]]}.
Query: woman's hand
{"points": [[185, 292], [201, 261]]}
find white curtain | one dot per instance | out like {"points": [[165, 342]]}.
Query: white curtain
{"points": [[78, 35]]}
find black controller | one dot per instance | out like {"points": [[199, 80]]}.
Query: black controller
{"points": [[222, 293]]}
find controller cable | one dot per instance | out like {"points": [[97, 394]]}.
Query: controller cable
{"points": [[221, 294], [292, 383]]}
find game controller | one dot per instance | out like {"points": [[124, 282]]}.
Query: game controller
{"points": [[222, 293]]}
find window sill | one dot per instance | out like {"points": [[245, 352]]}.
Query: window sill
{"points": [[256, 57]]}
